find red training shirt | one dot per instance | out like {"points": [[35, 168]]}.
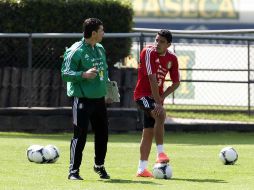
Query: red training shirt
{"points": [[153, 63]]}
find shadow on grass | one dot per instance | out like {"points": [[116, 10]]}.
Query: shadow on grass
{"points": [[173, 179], [200, 180], [129, 181]]}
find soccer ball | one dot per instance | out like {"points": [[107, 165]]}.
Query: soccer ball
{"points": [[37, 156], [162, 171], [228, 156], [40, 154], [52, 153], [30, 150]]}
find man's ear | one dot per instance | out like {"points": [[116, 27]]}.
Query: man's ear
{"points": [[93, 33]]}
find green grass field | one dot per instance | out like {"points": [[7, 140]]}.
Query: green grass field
{"points": [[226, 113], [194, 158]]}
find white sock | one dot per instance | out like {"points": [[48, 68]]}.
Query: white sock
{"points": [[160, 148], [142, 165]]}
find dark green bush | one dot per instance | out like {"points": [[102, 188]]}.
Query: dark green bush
{"points": [[62, 16]]}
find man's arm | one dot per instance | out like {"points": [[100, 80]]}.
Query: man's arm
{"points": [[154, 88], [158, 109], [170, 90], [175, 78], [69, 70]]}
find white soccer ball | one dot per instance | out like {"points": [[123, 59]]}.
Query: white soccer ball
{"points": [[162, 171], [37, 156], [52, 153], [40, 154], [228, 156], [30, 150]]}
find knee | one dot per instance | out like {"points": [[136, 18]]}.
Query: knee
{"points": [[161, 118], [163, 115]]}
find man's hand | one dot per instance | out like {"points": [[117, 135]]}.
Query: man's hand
{"points": [[108, 101], [158, 110], [90, 74]]}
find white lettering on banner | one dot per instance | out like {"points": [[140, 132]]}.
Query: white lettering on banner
{"points": [[208, 9], [186, 60]]}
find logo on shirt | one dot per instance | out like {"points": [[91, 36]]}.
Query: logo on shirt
{"points": [[86, 56], [157, 60], [169, 64], [80, 106]]}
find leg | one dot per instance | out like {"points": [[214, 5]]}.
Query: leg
{"points": [[80, 124], [159, 136], [146, 104], [76, 148], [99, 121], [159, 127], [146, 143], [145, 146]]}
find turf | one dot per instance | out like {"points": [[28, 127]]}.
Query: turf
{"points": [[226, 113], [194, 158]]}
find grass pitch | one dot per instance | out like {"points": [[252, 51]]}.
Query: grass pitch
{"points": [[194, 159]]}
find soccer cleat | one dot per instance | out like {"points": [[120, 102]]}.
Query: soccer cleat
{"points": [[74, 176], [102, 172], [162, 158], [145, 173]]}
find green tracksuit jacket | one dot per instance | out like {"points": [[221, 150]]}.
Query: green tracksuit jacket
{"points": [[79, 58]]}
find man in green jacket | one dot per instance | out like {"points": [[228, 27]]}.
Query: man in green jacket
{"points": [[85, 70]]}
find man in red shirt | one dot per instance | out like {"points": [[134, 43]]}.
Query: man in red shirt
{"points": [[155, 62]]}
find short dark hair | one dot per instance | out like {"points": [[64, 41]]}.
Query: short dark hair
{"points": [[166, 34], [90, 25]]}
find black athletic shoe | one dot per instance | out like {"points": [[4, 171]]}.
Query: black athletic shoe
{"points": [[74, 176], [102, 172]]}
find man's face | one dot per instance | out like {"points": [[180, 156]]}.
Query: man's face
{"points": [[99, 34], [161, 44]]}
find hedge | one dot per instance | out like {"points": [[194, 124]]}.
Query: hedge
{"points": [[61, 16]]}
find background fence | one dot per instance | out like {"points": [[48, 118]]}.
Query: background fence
{"points": [[216, 71]]}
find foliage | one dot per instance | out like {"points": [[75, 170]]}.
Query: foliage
{"points": [[64, 16]]}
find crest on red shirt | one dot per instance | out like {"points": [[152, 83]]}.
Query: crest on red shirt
{"points": [[169, 64]]}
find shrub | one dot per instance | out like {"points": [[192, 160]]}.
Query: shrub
{"points": [[61, 16]]}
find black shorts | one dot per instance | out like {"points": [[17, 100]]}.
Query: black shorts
{"points": [[146, 104]]}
